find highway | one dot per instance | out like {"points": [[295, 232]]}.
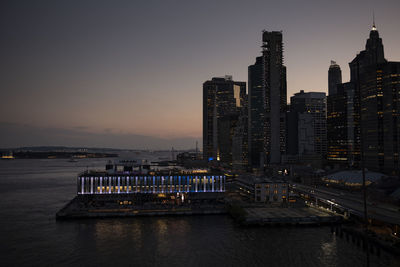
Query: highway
{"points": [[351, 202]]}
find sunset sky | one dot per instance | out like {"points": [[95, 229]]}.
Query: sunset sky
{"points": [[137, 67]]}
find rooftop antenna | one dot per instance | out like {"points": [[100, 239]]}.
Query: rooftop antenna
{"points": [[373, 21]]}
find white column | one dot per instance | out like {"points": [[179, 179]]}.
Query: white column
{"points": [[119, 187], [101, 185], [91, 185], [212, 183], [127, 184], [83, 185]]}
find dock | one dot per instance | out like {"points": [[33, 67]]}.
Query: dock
{"points": [[77, 209], [260, 216]]}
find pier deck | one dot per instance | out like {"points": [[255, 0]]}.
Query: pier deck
{"points": [[288, 216]]}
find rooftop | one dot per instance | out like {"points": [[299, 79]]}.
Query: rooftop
{"points": [[355, 176]]}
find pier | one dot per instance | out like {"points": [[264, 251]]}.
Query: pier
{"points": [[288, 216], [79, 209]]}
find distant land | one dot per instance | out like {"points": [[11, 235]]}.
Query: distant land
{"points": [[14, 135], [60, 155]]}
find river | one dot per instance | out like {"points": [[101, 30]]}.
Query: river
{"points": [[32, 191]]}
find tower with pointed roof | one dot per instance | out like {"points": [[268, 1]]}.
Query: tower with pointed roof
{"points": [[372, 101]]}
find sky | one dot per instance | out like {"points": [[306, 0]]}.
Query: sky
{"points": [[123, 69]]}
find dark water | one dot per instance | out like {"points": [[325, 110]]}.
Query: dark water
{"points": [[32, 191]]}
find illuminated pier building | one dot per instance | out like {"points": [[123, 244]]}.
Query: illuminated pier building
{"points": [[133, 179], [128, 188], [101, 183]]}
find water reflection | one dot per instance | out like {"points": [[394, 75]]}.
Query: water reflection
{"points": [[329, 251], [34, 190]]}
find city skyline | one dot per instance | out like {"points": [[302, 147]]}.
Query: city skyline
{"points": [[82, 72]]}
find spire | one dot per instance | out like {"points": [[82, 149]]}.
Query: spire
{"points": [[373, 21]]}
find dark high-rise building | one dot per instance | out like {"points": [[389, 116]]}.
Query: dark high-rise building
{"points": [[343, 146], [371, 108], [307, 124], [223, 100], [240, 139], [337, 151], [377, 88], [267, 103], [334, 78], [256, 108]]}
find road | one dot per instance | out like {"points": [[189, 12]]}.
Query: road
{"points": [[352, 202]]}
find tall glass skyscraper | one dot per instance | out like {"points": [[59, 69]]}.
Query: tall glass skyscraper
{"points": [[368, 108], [267, 103], [223, 100], [377, 88], [308, 127], [334, 78]]}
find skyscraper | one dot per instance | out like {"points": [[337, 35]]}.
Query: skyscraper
{"points": [[334, 77], [223, 100], [267, 103], [307, 124], [343, 144], [256, 109], [240, 150], [340, 122], [377, 89], [371, 109]]}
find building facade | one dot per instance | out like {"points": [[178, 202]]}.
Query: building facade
{"points": [[240, 140], [267, 103], [262, 189], [123, 183], [223, 100], [343, 127], [307, 134]]}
